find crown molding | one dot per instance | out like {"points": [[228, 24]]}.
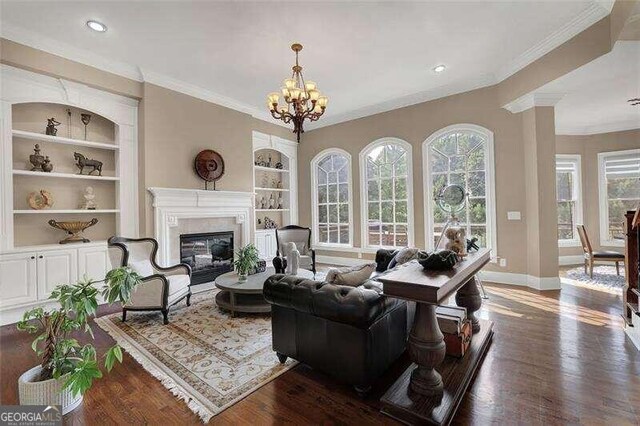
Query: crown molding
{"points": [[531, 100], [67, 51], [620, 126], [595, 12], [405, 101]]}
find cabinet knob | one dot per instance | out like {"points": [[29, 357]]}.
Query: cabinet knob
{"points": [[33, 257], [40, 257]]}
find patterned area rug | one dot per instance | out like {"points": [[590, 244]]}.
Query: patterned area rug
{"points": [[604, 277], [203, 356]]}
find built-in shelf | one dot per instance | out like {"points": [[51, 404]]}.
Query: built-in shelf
{"points": [[270, 169], [70, 211], [66, 141], [63, 175], [272, 210], [273, 189]]}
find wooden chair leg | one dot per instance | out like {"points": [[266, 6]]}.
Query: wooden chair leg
{"points": [[124, 315], [165, 316], [591, 268], [585, 266], [618, 268]]}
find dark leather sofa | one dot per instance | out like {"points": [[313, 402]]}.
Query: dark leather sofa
{"points": [[350, 333]]}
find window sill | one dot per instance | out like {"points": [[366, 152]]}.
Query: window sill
{"points": [[334, 247]]}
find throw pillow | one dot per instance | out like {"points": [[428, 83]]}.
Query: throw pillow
{"points": [[352, 276], [403, 256], [142, 267]]}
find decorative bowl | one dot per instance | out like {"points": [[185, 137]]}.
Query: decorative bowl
{"points": [[74, 229]]}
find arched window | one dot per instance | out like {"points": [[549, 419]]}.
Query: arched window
{"points": [[461, 154], [332, 217], [386, 194]]}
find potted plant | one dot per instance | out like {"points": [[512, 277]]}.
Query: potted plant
{"points": [[246, 261], [68, 368]]}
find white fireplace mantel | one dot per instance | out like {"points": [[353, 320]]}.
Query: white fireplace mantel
{"points": [[173, 204]]}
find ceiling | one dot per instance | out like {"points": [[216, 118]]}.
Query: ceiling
{"points": [[596, 94], [367, 57]]}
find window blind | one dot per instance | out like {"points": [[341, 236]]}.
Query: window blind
{"points": [[622, 166]]}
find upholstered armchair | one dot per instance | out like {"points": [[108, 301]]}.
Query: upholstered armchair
{"points": [[161, 287], [302, 238]]}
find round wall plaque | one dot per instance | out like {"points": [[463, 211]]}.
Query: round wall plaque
{"points": [[209, 165]]}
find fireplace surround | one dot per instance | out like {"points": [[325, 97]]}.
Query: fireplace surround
{"points": [[209, 254]]}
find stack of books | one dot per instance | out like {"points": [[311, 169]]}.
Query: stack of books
{"points": [[456, 328]]}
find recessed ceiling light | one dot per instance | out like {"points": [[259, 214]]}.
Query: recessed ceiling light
{"points": [[439, 68], [97, 26]]}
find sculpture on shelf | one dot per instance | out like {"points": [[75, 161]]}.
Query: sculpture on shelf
{"points": [[85, 118], [269, 224], [272, 202], [269, 162], [47, 166], [74, 229], [40, 200], [82, 162], [51, 130], [69, 123], [89, 197], [279, 166], [280, 203], [36, 159]]}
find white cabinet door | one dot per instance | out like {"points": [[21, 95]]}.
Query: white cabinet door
{"points": [[56, 267], [261, 245], [270, 243], [18, 283], [93, 262]]}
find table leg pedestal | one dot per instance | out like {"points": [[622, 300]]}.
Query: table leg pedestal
{"points": [[427, 349], [468, 296]]}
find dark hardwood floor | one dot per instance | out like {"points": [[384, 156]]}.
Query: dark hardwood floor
{"points": [[556, 358]]}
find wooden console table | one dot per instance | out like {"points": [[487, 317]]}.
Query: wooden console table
{"points": [[422, 394]]}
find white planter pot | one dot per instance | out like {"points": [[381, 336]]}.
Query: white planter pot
{"points": [[47, 392]]}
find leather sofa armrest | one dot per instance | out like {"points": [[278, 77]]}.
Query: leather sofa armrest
{"points": [[357, 306]]}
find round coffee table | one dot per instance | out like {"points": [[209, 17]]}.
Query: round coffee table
{"points": [[236, 296]]}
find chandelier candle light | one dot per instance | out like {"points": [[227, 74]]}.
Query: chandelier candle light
{"points": [[302, 97]]}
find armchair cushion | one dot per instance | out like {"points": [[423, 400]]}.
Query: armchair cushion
{"points": [[144, 268], [178, 283]]}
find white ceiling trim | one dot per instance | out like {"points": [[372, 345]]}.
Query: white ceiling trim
{"points": [[620, 126], [595, 12], [405, 101], [531, 100], [67, 51], [590, 16]]}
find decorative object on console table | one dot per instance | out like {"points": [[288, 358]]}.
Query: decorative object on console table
{"points": [[457, 331], [67, 370], [74, 229], [456, 240], [420, 395], [51, 130], [86, 119], [82, 162], [443, 260], [89, 199], [209, 165], [40, 200], [246, 260]]}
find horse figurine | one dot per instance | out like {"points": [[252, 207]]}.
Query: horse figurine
{"points": [[82, 162]]}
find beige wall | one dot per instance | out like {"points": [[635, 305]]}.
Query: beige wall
{"points": [[588, 146], [414, 124], [175, 127]]}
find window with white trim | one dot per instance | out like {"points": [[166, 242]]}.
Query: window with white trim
{"points": [[619, 191], [463, 155], [331, 192], [569, 198], [386, 193]]}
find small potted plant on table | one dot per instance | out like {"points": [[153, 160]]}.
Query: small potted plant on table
{"points": [[246, 261], [68, 368]]}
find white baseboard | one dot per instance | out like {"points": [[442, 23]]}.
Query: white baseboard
{"points": [[524, 280], [633, 332], [571, 260], [341, 261]]}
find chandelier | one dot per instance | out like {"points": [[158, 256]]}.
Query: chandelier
{"points": [[303, 99]]}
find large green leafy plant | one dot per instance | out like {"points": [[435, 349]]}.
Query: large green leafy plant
{"points": [[57, 329], [246, 259]]}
